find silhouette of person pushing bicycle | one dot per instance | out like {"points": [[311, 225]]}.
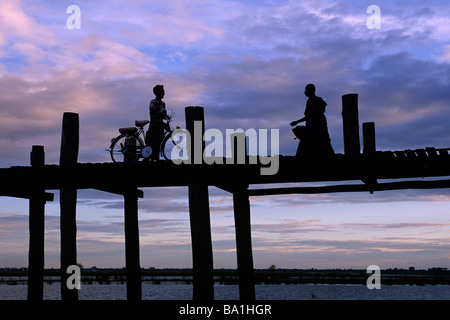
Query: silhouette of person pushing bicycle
{"points": [[158, 113], [314, 140], [133, 145]]}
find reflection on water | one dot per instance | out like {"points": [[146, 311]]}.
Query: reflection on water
{"points": [[171, 291]]}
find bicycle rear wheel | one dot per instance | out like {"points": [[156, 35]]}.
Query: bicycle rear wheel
{"points": [[172, 147], [121, 148]]}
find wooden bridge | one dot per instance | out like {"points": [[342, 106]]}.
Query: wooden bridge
{"points": [[364, 169]]}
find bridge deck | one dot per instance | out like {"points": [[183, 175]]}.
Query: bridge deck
{"points": [[112, 177]]}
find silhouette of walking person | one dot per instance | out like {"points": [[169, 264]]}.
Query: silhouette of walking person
{"points": [[315, 142], [158, 113]]}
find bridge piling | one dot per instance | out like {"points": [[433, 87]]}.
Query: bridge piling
{"points": [[68, 200], [132, 257], [369, 146], [242, 222], [369, 154], [350, 125], [202, 254], [37, 227]]}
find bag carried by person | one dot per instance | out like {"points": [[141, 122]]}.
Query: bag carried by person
{"points": [[299, 132]]}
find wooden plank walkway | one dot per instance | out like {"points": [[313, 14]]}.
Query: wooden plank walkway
{"points": [[421, 163]]}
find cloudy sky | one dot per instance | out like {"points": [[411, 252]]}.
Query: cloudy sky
{"points": [[247, 63]]}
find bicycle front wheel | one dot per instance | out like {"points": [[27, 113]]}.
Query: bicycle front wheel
{"points": [[172, 148], [121, 148]]}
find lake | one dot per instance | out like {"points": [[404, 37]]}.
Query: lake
{"points": [[181, 291]]}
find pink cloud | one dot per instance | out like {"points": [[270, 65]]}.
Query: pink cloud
{"points": [[21, 26], [446, 53]]}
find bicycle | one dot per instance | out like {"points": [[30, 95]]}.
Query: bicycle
{"points": [[130, 145]]}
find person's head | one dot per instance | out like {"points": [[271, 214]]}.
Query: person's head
{"points": [[158, 90], [310, 90]]}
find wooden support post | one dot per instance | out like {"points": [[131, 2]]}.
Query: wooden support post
{"points": [[369, 153], [195, 124], [242, 221], [238, 148], [241, 204], [202, 255], [68, 200], [132, 259], [369, 146], [36, 227], [351, 125]]}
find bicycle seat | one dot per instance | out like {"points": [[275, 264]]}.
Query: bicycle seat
{"points": [[129, 130], [141, 123]]}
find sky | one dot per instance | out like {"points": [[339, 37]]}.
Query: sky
{"points": [[246, 63]]}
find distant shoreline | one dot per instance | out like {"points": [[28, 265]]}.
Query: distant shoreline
{"points": [[432, 276]]}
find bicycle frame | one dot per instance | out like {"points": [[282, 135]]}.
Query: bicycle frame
{"points": [[130, 144]]}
